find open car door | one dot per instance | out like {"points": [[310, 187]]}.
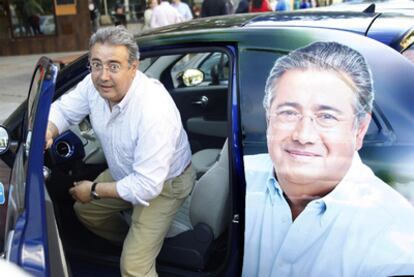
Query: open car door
{"points": [[32, 239]]}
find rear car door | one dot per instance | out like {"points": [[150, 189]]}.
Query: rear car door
{"points": [[33, 242], [388, 145]]}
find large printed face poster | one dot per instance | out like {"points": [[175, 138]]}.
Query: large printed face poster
{"points": [[322, 195]]}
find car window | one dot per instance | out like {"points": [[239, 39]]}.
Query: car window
{"points": [[33, 105], [215, 59], [214, 66], [184, 75], [145, 63], [251, 96]]}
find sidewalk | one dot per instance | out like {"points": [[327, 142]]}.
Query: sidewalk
{"points": [[15, 76]]}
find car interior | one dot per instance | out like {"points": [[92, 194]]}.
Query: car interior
{"points": [[198, 81]]}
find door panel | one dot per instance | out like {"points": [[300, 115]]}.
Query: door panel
{"points": [[203, 107], [202, 110], [32, 242]]}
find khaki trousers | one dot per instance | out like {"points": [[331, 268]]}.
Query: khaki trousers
{"points": [[142, 241]]}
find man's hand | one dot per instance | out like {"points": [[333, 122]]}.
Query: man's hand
{"points": [[81, 191], [48, 139], [51, 132]]}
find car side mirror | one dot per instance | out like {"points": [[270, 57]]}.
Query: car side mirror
{"points": [[192, 77], [4, 140]]}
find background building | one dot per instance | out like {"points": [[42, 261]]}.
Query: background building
{"points": [[44, 26], [41, 26]]}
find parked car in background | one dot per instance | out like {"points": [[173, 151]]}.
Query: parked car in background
{"points": [[383, 6], [215, 70], [384, 10]]}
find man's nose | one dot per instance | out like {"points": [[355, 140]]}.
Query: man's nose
{"points": [[105, 74], [305, 131]]}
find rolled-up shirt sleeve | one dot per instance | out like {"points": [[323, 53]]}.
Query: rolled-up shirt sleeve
{"points": [[72, 107]]}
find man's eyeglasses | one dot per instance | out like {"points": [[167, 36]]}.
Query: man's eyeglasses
{"points": [[97, 67], [289, 118]]}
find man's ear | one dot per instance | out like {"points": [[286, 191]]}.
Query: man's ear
{"points": [[135, 65], [361, 131]]}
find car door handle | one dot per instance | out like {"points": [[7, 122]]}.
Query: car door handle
{"points": [[202, 102]]}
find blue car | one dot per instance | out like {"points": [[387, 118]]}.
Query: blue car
{"points": [[215, 70]]}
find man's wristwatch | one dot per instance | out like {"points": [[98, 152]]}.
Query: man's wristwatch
{"points": [[94, 194]]}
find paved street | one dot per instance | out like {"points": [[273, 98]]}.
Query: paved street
{"points": [[15, 76]]}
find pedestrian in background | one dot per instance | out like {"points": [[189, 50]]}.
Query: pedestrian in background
{"points": [[183, 9], [260, 6], [243, 6], [33, 11], [215, 7], [151, 4], [282, 5], [165, 14], [196, 11], [305, 4], [94, 14], [120, 17]]}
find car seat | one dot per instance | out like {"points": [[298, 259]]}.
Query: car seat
{"points": [[202, 218], [204, 159]]}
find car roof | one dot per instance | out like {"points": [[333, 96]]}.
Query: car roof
{"points": [[357, 22], [392, 27], [354, 21]]}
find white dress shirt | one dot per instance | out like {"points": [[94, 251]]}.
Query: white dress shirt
{"points": [[361, 228], [142, 137], [147, 19], [184, 10], [165, 14]]}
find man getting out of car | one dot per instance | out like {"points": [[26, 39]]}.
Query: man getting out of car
{"points": [[312, 207], [145, 146]]}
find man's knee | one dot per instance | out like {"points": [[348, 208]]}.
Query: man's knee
{"points": [[83, 213], [79, 209]]}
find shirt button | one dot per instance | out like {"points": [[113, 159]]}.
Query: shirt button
{"points": [[285, 218]]}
